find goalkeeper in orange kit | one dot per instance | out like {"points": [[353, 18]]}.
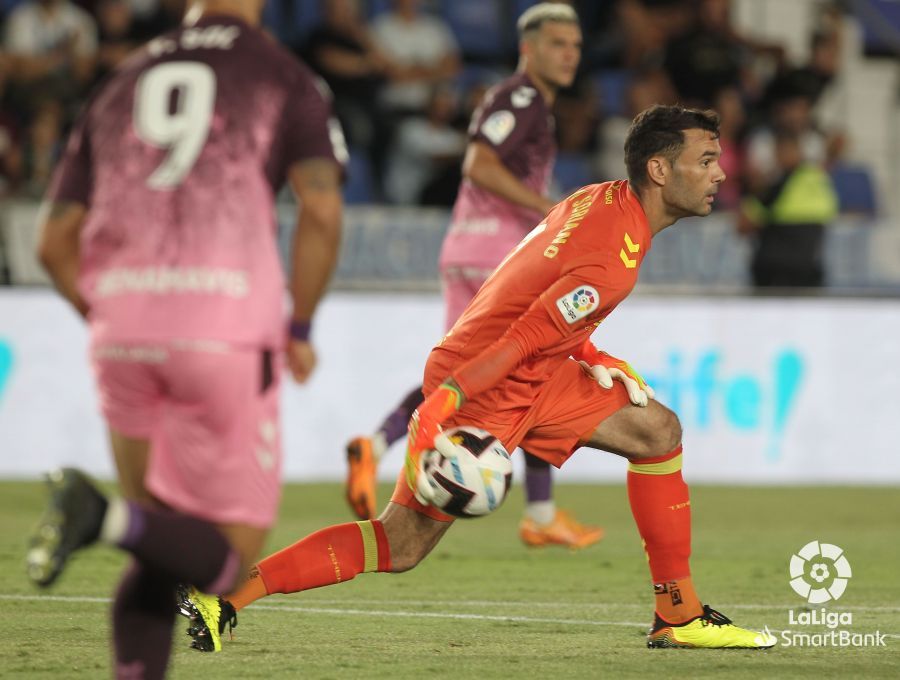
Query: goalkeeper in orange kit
{"points": [[519, 363], [506, 177]]}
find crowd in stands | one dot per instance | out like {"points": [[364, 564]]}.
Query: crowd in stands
{"points": [[407, 74], [52, 54]]}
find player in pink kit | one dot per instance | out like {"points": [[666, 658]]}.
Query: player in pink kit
{"points": [[161, 231], [507, 170]]}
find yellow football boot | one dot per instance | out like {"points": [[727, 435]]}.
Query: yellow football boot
{"points": [[209, 615], [710, 630]]}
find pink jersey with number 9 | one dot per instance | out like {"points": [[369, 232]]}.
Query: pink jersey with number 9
{"points": [[178, 158]]}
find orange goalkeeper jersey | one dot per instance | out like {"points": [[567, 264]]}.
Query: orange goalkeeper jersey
{"points": [[549, 294]]}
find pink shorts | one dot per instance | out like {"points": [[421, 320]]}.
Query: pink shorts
{"points": [[460, 284], [210, 412]]}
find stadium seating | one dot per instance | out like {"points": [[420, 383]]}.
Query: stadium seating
{"points": [[572, 170], [6, 6], [881, 26], [855, 189], [481, 28], [359, 187], [471, 76], [612, 87], [291, 21], [376, 7]]}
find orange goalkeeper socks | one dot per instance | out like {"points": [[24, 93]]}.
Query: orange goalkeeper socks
{"points": [[677, 601], [251, 590], [661, 506], [332, 555]]}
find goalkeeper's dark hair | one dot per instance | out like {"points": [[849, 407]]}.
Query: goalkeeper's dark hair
{"points": [[659, 131]]}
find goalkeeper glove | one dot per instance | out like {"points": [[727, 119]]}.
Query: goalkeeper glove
{"points": [[425, 435], [605, 368]]}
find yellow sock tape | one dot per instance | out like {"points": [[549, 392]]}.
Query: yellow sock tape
{"points": [[370, 546], [667, 467]]}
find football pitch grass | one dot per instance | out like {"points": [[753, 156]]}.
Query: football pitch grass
{"points": [[484, 606]]}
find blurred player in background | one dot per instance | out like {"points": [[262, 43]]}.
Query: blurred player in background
{"points": [[160, 230], [520, 364], [507, 170]]}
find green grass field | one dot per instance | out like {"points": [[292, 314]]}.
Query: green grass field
{"points": [[484, 606]]}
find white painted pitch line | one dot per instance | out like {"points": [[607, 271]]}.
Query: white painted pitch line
{"points": [[482, 603], [381, 613], [444, 615], [54, 598], [474, 617], [478, 603], [353, 612], [644, 606]]}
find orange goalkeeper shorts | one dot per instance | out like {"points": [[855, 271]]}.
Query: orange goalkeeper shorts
{"points": [[549, 421]]}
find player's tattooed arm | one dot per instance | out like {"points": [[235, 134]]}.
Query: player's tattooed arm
{"points": [[318, 174], [317, 185], [58, 248]]}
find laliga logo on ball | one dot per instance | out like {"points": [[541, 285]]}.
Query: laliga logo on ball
{"points": [[819, 572]]}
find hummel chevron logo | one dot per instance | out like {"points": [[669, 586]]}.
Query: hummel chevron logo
{"points": [[632, 248]]}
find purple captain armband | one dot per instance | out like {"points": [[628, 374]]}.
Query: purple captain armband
{"points": [[300, 330]]}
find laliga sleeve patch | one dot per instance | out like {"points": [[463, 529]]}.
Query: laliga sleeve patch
{"points": [[498, 126], [578, 304]]}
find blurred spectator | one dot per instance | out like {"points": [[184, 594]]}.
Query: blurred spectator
{"points": [[577, 118], [790, 112], [115, 22], [645, 89], [10, 147], [142, 9], [53, 46], [343, 53], [817, 75], [10, 155], [425, 163], [672, 50], [421, 52], [603, 37], [472, 97], [787, 218], [709, 54], [42, 146], [708, 57], [646, 26], [152, 17], [732, 118], [814, 81]]}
